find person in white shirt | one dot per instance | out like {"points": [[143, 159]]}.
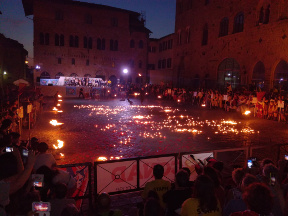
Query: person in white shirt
{"points": [[44, 158]]}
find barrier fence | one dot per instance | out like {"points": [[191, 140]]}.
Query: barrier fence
{"points": [[130, 175]]}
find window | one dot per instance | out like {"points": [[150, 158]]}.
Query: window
{"points": [[179, 37], [73, 75], [87, 75], [47, 39], [224, 24], [116, 45], [59, 15], [141, 44], [85, 42], [164, 63], [58, 75], [41, 38], [205, 35], [87, 62], [169, 62], [187, 34], [103, 44], [45, 75], [132, 43], [140, 64], [238, 23], [111, 45], [267, 15], [59, 61], [90, 45], [99, 46], [61, 40], [261, 15], [57, 40], [160, 47], [71, 41], [159, 64], [76, 41], [73, 61], [170, 44], [114, 22], [88, 19]]}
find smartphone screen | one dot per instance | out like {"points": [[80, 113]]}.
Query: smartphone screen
{"points": [[38, 184], [249, 163], [272, 181], [41, 206]]}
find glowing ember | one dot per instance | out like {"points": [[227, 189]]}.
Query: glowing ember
{"points": [[203, 105], [102, 158], [62, 155], [59, 100], [159, 96], [55, 123], [59, 145], [58, 104]]}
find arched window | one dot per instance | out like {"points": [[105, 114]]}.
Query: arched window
{"points": [[41, 38], [71, 41], [73, 75], [90, 45], [261, 15], [238, 23], [116, 45], [47, 39], [224, 25], [141, 44], [61, 40], [103, 44], [76, 41], [132, 43], [267, 15], [205, 35], [85, 42], [87, 75], [45, 75], [111, 45], [57, 76], [99, 44], [57, 40], [73, 61]]}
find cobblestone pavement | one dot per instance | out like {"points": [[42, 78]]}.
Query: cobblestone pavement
{"points": [[114, 128]]}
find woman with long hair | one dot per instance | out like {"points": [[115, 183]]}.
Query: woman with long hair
{"points": [[203, 201]]}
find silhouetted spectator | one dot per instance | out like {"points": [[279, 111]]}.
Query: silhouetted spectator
{"points": [[44, 158], [103, 205]]}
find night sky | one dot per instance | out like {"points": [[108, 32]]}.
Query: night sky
{"points": [[160, 17]]}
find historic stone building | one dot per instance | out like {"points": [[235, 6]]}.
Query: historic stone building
{"points": [[160, 63], [12, 60], [238, 42], [74, 38]]}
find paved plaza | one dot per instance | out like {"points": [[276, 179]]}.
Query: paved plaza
{"points": [[117, 129]]}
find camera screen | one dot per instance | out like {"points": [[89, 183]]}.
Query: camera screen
{"points": [[249, 163], [38, 184], [9, 149], [25, 152], [286, 157], [40, 206]]}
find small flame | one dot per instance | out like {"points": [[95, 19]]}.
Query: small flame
{"points": [[62, 155], [59, 145], [59, 105], [60, 111], [59, 100], [55, 109], [102, 158], [203, 105], [59, 96], [55, 123], [247, 112]]}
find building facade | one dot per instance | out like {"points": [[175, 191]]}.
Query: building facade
{"points": [[12, 60], [81, 39], [160, 60], [238, 42]]}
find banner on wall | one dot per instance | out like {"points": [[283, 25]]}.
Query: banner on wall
{"points": [[81, 176], [46, 82], [70, 90], [80, 81], [122, 175]]}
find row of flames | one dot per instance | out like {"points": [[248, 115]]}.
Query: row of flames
{"points": [[55, 123]]}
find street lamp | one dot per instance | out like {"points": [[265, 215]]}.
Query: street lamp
{"points": [[4, 72], [125, 70]]}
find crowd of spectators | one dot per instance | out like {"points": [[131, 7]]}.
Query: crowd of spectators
{"points": [[259, 190]]}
